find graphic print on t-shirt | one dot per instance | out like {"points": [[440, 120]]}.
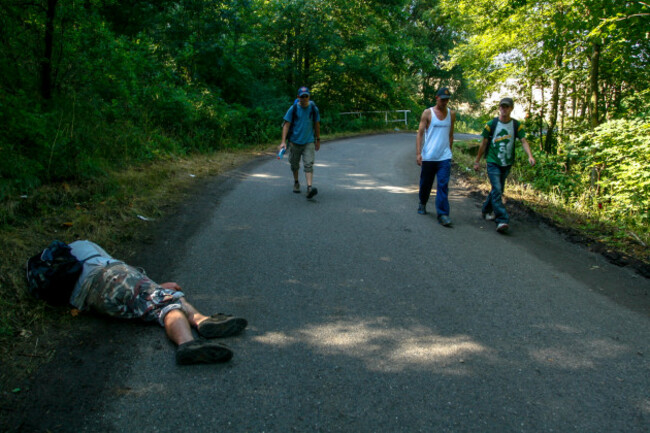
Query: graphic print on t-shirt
{"points": [[504, 140]]}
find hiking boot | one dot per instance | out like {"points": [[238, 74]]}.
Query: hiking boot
{"points": [[422, 209], [488, 216], [221, 325], [202, 352], [311, 192], [444, 220], [296, 187], [502, 227]]}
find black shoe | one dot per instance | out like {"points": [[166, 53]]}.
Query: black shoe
{"points": [[422, 209], [311, 191], [221, 325], [444, 220], [202, 352]]}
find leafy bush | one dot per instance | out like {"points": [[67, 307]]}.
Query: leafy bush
{"points": [[616, 156]]}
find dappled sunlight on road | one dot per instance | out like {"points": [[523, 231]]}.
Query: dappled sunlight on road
{"points": [[364, 182], [237, 227], [388, 188], [383, 348], [265, 176], [645, 406], [582, 353]]}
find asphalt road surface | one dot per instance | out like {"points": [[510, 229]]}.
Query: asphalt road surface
{"points": [[367, 317]]}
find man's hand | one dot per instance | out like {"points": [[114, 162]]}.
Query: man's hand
{"points": [[477, 166], [531, 161], [418, 160], [317, 144], [171, 286]]}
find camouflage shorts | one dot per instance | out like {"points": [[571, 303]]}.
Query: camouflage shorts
{"points": [[122, 291]]}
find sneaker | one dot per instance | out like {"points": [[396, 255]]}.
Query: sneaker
{"points": [[422, 209], [444, 220], [221, 325], [488, 216], [296, 187], [311, 191], [202, 352], [502, 227]]}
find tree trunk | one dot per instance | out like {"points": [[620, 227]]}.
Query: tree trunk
{"points": [[46, 62], [549, 146], [563, 106], [593, 80], [306, 67], [541, 119]]}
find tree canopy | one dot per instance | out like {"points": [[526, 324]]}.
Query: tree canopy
{"points": [[101, 83]]}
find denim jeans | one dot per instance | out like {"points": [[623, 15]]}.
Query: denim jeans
{"points": [[494, 201], [440, 170]]}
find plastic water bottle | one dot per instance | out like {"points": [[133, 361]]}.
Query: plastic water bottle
{"points": [[281, 152]]}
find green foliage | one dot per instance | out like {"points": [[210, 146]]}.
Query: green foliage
{"points": [[603, 172], [133, 82], [617, 152]]}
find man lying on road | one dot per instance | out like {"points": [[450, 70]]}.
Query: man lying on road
{"points": [[109, 286]]}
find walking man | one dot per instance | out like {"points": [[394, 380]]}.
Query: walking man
{"points": [[302, 129], [499, 137], [433, 145]]}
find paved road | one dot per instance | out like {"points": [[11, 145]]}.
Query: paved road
{"points": [[367, 317]]}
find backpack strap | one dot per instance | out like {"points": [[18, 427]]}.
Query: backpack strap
{"points": [[495, 121], [516, 125], [294, 113], [312, 112], [493, 126]]}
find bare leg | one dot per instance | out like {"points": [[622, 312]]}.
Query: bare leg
{"points": [[295, 176], [309, 177], [194, 317], [218, 325], [177, 327]]}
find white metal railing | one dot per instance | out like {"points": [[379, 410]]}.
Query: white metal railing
{"points": [[361, 113]]}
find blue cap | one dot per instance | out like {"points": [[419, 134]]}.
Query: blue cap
{"points": [[444, 93], [303, 91]]}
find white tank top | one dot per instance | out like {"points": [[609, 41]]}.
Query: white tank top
{"points": [[436, 138]]}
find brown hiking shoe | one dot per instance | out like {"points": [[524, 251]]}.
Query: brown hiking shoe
{"points": [[202, 352], [221, 325]]}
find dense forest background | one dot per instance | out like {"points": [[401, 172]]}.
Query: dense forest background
{"points": [[88, 86]]}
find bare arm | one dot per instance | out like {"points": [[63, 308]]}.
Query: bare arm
{"points": [[451, 130], [285, 131], [425, 120], [317, 135], [481, 151], [524, 144]]}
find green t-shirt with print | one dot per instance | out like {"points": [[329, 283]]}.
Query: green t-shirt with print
{"points": [[501, 150]]}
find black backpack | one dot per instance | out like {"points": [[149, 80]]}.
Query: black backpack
{"points": [[53, 273]]}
